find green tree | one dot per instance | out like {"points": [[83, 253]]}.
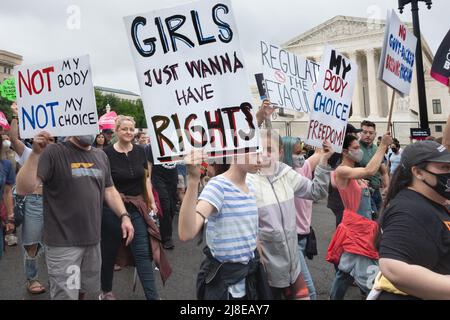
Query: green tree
{"points": [[121, 107]]}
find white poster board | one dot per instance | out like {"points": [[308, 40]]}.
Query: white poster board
{"points": [[332, 102], [192, 78], [289, 78], [57, 97], [398, 56]]}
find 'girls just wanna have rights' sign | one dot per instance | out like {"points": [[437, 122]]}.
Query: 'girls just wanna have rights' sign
{"points": [[193, 82]]}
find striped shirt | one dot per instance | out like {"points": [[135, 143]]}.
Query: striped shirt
{"points": [[231, 231]]}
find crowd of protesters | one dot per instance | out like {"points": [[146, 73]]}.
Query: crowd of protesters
{"points": [[98, 202]]}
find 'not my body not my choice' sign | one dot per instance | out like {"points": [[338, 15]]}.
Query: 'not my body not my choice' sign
{"points": [[57, 97]]}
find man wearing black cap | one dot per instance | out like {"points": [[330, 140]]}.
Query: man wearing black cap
{"points": [[415, 227], [352, 130]]}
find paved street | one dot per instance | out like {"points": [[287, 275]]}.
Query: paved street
{"points": [[185, 260]]}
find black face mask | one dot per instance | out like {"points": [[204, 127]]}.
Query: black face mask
{"points": [[443, 184], [394, 150]]}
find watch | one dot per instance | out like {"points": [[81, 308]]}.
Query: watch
{"points": [[126, 214]]}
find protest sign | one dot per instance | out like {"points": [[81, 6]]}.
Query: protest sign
{"points": [[4, 122], [420, 134], [331, 106], [192, 78], [261, 85], [289, 78], [397, 56], [440, 70], [8, 89], [107, 121], [57, 97]]}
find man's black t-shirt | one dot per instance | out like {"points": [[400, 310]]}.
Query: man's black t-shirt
{"points": [[165, 173], [416, 231], [128, 170]]}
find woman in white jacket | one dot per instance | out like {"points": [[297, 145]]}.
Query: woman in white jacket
{"points": [[275, 188]]}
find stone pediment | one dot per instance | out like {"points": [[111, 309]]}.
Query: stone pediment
{"points": [[339, 27]]}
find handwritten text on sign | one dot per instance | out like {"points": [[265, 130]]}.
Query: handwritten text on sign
{"points": [[192, 79], [57, 97], [289, 78], [333, 99], [397, 58]]}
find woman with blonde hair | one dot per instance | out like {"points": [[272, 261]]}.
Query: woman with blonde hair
{"points": [[129, 172]]}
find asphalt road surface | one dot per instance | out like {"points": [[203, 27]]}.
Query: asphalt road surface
{"points": [[185, 260]]}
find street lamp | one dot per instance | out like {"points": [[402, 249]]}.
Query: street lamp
{"points": [[419, 61]]}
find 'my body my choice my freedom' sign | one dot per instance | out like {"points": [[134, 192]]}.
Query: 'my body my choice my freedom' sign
{"points": [[57, 97], [192, 78], [332, 102]]}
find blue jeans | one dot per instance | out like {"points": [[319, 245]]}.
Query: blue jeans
{"points": [[340, 285], [140, 247], [32, 229], [377, 200], [305, 271]]}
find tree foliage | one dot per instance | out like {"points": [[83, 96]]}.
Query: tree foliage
{"points": [[121, 107]]}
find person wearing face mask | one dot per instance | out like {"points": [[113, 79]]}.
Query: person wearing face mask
{"points": [[292, 148], [394, 157], [414, 235], [75, 179], [276, 188], [351, 247]]}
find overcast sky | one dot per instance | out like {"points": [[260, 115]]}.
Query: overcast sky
{"points": [[38, 30]]}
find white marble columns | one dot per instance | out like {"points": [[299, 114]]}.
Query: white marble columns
{"points": [[372, 79], [357, 105]]}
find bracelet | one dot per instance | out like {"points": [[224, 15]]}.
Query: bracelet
{"points": [[15, 117], [201, 215], [126, 214]]}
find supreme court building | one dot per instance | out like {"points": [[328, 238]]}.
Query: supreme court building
{"points": [[361, 40]]}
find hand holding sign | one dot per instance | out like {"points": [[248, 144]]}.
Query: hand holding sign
{"points": [[41, 141], [194, 162], [326, 153], [386, 140], [265, 112]]}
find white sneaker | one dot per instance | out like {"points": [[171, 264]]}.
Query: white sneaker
{"points": [[107, 296], [11, 240]]}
